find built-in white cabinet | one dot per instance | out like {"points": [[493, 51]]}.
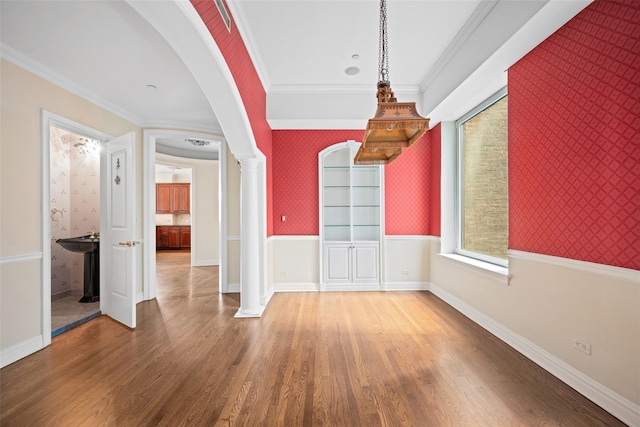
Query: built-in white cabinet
{"points": [[351, 220], [351, 262]]}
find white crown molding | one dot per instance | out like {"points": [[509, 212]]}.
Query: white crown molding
{"points": [[610, 401], [491, 75], [467, 30], [33, 66], [319, 124], [399, 90], [627, 274], [185, 152], [187, 126], [239, 17]]}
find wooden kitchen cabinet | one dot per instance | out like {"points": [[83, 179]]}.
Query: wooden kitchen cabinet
{"points": [[173, 198], [180, 195], [173, 236], [185, 237], [163, 198], [162, 237]]}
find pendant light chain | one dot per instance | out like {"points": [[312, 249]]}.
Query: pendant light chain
{"points": [[396, 125], [383, 49]]}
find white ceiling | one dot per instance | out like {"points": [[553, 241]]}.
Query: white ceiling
{"points": [[106, 52]]}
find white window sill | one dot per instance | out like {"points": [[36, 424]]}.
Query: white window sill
{"points": [[492, 271]]}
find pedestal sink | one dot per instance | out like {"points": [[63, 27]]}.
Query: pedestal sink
{"points": [[90, 247]]}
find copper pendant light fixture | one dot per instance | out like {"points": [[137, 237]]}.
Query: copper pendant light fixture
{"points": [[396, 125]]}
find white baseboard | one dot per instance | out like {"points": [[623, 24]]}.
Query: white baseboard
{"points": [[23, 349], [232, 288], [265, 299], [620, 407], [241, 314], [139, 297], [296, 287], [205, 262], [352, 287], [315, 287], [405, 286]]}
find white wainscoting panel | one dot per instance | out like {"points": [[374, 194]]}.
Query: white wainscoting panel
{"points": [[406, 260]]}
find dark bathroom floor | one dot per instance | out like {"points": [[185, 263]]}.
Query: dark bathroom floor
{"points": [[67, 313]]}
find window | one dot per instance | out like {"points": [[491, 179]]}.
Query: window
{"points": [[482, 193]]}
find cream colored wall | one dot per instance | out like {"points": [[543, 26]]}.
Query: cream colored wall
{"points": [[233, 223], [22, 97], [295, 263], [549, 305], [204, 204], [20, 300], [206, 240], [406, 262]]}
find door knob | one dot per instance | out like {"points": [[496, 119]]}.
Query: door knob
{"points": [[129, 243]]}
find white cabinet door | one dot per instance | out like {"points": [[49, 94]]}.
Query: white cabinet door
{"points": [[365, 263], [351, 263], [338, 263]]}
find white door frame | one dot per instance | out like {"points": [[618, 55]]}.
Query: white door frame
{"points": [[47, 120], [150, 137]]}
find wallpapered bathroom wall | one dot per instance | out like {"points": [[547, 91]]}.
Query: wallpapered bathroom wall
{"points": [[75, 205]]}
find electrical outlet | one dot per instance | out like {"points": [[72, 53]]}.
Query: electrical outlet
{"points": [[582, 346], [405, 272], [283, 274]]}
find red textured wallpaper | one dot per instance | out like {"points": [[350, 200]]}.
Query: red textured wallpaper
{"points": [[436, 153], [295, 182], [295, 177], [251, 91], [574, 144], [407, 190]]}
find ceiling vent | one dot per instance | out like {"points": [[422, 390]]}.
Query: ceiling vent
{"points": [[224, 14]]}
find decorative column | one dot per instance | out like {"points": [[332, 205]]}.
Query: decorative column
{"points": [[249, 250]]}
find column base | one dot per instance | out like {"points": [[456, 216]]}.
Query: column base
{"points": [[249, 313]]}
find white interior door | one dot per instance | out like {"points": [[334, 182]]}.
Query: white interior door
{"points": [[118, 246]]}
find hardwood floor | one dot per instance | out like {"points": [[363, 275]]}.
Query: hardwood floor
{"points": [[313, 359]]}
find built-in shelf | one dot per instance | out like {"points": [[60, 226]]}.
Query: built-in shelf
{"points": [[350, 218]]}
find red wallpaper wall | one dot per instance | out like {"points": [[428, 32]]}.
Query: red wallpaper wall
{"points": [[407, 190], [251, 91], [295, 177], [574, 145], [295, 182], [436, 153]]}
